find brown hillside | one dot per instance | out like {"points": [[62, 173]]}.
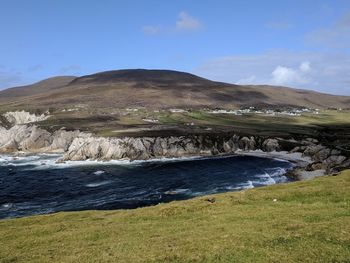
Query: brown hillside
{"points": [[158, 89]]}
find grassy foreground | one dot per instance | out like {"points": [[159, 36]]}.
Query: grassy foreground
{"points": [[309, 222]]}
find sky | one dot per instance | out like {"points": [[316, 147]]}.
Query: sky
{"points": [[295, 43]]}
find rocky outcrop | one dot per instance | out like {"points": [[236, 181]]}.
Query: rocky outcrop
{"points": [[23, 117], [325, 158], [146, 147], [82, 146], [34, 139], [247, 144], [270, 145]]}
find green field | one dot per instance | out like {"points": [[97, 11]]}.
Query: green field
{"points": [[308, 222], [329, 126], [100, 121]]}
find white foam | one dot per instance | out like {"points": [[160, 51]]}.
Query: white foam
{"points": [[99, 172], [97, 184], [47, 161], [265, 179], [7, 205], [277, 172], [249, 185]]}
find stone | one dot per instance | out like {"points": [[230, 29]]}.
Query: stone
{"points": [[321, 155], [334, 160], [246, 143], [270, 145], [312, 150], [23, 117], [316, 166]]}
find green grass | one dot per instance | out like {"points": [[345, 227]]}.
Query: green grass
{"points": [[332, 127], [309, 222], [117, 124]]}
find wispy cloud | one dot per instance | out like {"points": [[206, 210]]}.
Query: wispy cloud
{"points": [[185, 23], [336, 35], [310, 70]]}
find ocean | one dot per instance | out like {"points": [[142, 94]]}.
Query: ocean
{"points": [[35, 184]]}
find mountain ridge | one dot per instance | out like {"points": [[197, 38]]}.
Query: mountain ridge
{"points": [[160, 89]]}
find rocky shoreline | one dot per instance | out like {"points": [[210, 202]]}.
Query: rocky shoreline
{"points": [[78, 146]]}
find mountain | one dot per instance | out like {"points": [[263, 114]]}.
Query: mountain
{"points": [[36, 88], [158, 89]]}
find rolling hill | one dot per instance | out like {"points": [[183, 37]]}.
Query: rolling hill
{"points": [[158, 89]]}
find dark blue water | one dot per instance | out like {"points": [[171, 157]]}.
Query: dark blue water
{"points": [[36, 185]]}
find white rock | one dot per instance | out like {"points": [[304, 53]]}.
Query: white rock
{"points": [[23, 117]]}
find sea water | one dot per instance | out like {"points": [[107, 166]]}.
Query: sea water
{"points": [[31, 185]]}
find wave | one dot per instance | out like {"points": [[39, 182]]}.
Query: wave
{"points": [[279, 174], [46, 161], [6, 206], [97, 184], [99, 172], [265, 179]]}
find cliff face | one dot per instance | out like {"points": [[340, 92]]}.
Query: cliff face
{"points": [[148, 148], [30, 138], [23, 117], [82, 146]]}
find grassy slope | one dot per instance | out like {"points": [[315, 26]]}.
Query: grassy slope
{"points": [[308, 223], [332, 127], [102, 123]]}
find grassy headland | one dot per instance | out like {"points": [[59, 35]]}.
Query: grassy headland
{"points": [[332, 127], [297, 222]]}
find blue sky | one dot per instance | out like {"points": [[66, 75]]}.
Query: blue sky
{"points": [[304, 44]]}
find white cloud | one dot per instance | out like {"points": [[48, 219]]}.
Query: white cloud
{"points": [[305, 66], [310, 70], [185, 23], [188, 23], [290, 76], [284, 75], [334, 36]]}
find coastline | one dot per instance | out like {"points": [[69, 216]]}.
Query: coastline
{"points": [[310, 156], [299, 161], [296, 157]]}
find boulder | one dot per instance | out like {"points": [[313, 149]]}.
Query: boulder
{"points": [[270, 145], [334, 160], [321, 155], [311, 150], [246, 143]]}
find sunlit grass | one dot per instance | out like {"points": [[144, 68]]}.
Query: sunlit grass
{"points": [[308, 222]]}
